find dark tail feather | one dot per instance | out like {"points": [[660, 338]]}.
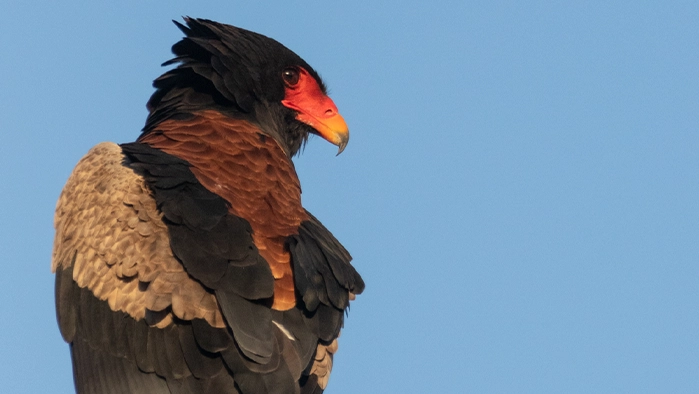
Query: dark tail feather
{"points": [[100, 373]]}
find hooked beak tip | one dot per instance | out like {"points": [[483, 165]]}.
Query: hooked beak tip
{"points": [[344, 139]]}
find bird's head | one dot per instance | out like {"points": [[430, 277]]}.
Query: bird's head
{"points": [[248, 76]]}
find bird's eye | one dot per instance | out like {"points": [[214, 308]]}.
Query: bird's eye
{"points": [[291, 76]]}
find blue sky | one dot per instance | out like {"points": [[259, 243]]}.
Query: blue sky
{"points": [[520, 189]]}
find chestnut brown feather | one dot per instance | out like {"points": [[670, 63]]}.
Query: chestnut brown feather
{"points": [[233, 159]]}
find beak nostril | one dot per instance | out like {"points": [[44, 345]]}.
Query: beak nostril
{"points": [[329, 112]]}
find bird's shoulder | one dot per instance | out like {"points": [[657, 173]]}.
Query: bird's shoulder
{"points": [[110, 231]]}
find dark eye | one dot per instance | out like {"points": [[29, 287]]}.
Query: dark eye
{"points": [[291, 76]]}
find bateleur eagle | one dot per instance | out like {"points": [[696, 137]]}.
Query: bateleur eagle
{"points": [[184, 261]]}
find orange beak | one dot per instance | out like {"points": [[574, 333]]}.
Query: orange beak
{"points": [[329, 124]]}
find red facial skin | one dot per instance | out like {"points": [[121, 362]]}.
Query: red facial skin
{"points": [[303, 95]]}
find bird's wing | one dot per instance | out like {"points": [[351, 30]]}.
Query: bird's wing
{"points": [[124, 302]]}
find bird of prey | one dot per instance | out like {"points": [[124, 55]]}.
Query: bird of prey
{"points": [[184, 261]]}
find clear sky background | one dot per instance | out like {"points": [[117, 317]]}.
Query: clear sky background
{"points": [[520, 192]]}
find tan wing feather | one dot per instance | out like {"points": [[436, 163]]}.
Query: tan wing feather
{"points": [[323, 363], [109, 229]]}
